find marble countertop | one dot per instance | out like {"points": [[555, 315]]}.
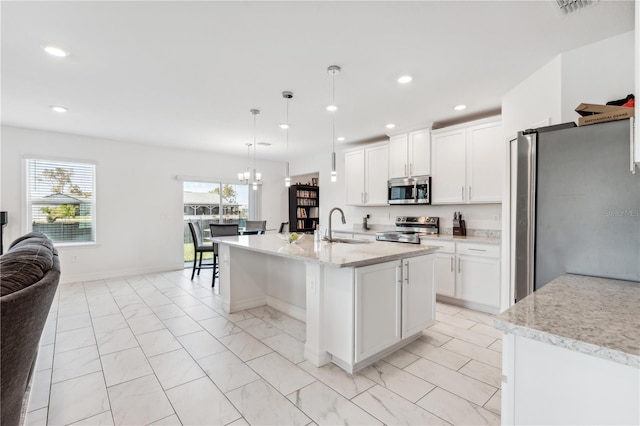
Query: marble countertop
{"points": [[437, 237], [595, 316], [335, 254]]}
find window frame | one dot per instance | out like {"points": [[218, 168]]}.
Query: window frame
{"points": [[27, 196]]}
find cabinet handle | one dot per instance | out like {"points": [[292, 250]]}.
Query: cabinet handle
{"points": [[469, 193], [451, 263], [405, 169], [406, 275], [459, 266], [362, 197], [410, 169], [462, 192], [475, 249]]}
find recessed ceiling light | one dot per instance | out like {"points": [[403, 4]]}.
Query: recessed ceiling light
{"points": [[332, 108], [405, 79], [390, 126], [59, 108], [283, 126], [340, 138], [460, 107], [55, 51]]}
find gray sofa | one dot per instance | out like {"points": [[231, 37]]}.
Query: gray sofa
{"points": [[29, 276]]}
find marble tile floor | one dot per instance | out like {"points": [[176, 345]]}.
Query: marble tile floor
{"points": [[158, 349]]}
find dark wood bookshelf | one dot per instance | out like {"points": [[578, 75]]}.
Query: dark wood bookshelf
{"points": [[304, 207]]}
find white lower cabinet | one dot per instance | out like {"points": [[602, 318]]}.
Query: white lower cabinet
{"points": [[418, 295], [479, 279], [387, 306], [378, 294], [468, 274]]}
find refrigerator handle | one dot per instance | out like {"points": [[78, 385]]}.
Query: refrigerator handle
{"points": [[632, 164]]}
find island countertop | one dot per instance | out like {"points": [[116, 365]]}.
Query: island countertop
{"points": [[334, 254], [595, 316]]}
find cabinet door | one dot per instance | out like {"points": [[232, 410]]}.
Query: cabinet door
{"points": [[444, 274], [354, 177], [376, 175], [485, 163], [448, 166], [398, 156], [479, 280], [418, 295], [377, 315], [420, 153]]}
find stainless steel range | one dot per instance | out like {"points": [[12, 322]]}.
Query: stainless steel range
{"points": [[409, 229]]}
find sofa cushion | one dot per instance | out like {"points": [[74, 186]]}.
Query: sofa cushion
{"points": [[25, 264], [33, 238]]}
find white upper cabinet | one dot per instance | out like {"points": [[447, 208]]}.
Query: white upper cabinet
{"points": [[448, 178], [410, 154], [485, 163], [366, 176], [468, 164]]}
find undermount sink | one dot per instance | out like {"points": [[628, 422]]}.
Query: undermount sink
{"points": [[348, 241]]}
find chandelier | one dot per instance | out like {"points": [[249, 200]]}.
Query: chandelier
{"points": [[251, 175]]}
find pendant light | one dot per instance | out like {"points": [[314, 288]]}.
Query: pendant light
{"points": [[287, 179], [252, 175], [333, 70]]}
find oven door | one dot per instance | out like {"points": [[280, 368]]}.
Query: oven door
{"points": [[401, 191]]}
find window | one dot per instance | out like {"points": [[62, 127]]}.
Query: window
{"points": [[209, 202], [61, 200]]}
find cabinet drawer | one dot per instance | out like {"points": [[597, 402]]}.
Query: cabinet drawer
{"points": [[484, 250], [445, 246]]}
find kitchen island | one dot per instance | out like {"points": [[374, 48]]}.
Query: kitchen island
{"points": [[360, 302], [571, 354]]}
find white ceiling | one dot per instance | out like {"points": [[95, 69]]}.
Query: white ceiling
{"points": [[186, 74]]}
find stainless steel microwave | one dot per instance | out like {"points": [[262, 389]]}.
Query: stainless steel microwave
{"points": [[414, 190]]}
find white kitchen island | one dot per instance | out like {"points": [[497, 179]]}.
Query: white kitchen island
{"points": [[571, 354], [360, 302]]}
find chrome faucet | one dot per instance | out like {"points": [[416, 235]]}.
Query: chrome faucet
{"points": [[330, 236]]}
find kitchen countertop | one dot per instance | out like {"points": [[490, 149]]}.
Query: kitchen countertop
{"points": [[436, 237], [334, 254], [595, 316]]}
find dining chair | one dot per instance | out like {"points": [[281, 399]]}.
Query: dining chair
{"points": [[282, 225], [257, 224], [220, 230], [198, 249]]}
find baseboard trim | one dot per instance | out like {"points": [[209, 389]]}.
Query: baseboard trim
{"points": [[287, 308], [117, 273]]}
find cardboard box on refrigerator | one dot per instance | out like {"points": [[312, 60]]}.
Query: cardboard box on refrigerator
{"points": [[594, 113]]}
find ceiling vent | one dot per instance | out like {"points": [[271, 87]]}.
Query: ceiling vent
{"points": [[568, 6]]}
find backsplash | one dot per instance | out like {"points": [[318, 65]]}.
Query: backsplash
{"points": [[484, 233]]}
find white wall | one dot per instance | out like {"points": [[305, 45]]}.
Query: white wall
{"points": [[597, 73], [139, 200], [536, 99]]}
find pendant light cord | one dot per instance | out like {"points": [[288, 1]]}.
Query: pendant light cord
{"points": [[333, 117]]}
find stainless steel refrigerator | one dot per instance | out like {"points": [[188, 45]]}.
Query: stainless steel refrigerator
{"points": [[575, 204]]}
